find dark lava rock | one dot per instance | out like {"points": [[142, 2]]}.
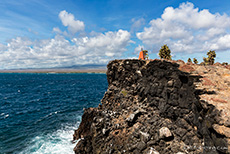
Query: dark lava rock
{"points": [[150, 106]]}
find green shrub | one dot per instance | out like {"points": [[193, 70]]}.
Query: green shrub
{"points": [[124, 92]]}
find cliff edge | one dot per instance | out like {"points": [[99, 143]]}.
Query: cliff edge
{"points": [[159, 107]]}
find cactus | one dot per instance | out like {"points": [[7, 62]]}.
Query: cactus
{"points": [[195, 61], [165, 52], [224, 64], [146, 56], [211, 58], [205, 61]]}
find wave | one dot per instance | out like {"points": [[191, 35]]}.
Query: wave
{"points": [[4, 116], [58, 142], [47, 116]]}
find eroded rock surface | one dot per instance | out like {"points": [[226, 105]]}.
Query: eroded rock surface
{"points": [[155, 107]]}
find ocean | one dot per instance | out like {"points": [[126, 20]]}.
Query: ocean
{"points": [[39, 112]]}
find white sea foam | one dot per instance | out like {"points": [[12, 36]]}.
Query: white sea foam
{"points": [[6, 116], [3, 115], [58, 142]]}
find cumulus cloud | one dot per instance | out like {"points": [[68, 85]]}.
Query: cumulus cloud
{"points": [[187, 29], [58, 51], [137, 24], [57, 30], [138, 49], [109, 44], [222, 43], [69, 21]]}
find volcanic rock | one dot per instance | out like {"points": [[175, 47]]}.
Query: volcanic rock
{"points": [[164, 132], [159, 106]]}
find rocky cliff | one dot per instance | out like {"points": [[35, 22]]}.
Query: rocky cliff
{"points": [[158, 107]]}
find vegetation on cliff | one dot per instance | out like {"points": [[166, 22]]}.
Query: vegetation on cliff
{"points": [[189, 60], [211, 58], [195, 61]]}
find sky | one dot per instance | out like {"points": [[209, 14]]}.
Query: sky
{"points": [[62, 33]]}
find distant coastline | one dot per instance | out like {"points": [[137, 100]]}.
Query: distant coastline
{"points": [[54, 71]]}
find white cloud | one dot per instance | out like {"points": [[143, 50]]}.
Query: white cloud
{"points": [[69, 21], [2, 47], [24, 53], [57, 30], [137, 24], [187, 29], [108, 44], [97, 48], [192, 17], [138, 49], [223, 43]]}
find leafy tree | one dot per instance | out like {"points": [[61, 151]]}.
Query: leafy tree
{"points": [[165, 52], [195, 61], [189, 60]]}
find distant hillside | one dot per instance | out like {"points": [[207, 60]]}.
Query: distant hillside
{"points": [[88, 66], [91, 68]]}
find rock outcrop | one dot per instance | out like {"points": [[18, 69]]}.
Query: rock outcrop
{"points": [[156, 107]]}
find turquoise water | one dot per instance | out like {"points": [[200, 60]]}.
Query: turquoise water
{"points": [[39, 112]]}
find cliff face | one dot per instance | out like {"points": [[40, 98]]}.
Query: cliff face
{"points": [[152, 107]]}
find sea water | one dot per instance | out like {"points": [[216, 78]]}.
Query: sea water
{"points": [[39, 112]]}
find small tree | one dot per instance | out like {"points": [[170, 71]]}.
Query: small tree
{"points": [[189, 60], [165, 52], [195, 61]]}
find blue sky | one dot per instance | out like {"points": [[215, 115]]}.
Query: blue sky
{"points": [[45, 33]]}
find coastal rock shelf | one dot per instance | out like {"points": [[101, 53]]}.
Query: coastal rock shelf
{"points": [[155, 107]]}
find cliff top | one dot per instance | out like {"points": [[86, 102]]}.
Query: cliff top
{"points": [[159, 106], [215, 80]]}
